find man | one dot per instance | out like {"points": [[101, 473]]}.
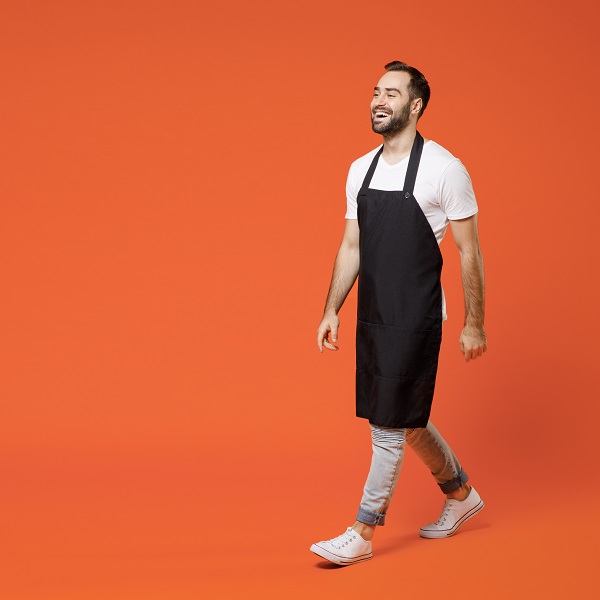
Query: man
{"points": [[400, 198]]}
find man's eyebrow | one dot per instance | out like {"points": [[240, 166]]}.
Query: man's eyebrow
{"points": [[388, 90]]}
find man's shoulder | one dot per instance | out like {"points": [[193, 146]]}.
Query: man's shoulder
{"points": [[364, 160], [436, 157], [438, 151]]}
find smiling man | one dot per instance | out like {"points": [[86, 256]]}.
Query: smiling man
{"points": [[401, 197]]}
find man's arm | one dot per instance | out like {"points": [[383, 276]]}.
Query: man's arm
{"points": [[473, 342], [345, 272]]}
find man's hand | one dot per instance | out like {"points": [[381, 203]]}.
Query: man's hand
{"points": [[329, 323], [473, 342]]}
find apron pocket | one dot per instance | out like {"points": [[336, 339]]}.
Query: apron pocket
{"points": [[390, 351]]}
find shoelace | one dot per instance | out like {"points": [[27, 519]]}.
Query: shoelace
{"points": [[344, 539], [445, 512]]}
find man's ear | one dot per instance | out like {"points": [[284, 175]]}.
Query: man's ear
{"points": [[418, 103]]}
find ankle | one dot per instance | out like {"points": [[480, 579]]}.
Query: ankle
{"points": [[461, 493], [365, 531]]}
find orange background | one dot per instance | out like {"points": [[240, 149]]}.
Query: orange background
{"points": [[173, 198]]}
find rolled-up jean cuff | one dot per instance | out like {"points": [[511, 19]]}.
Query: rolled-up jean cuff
{"points": [[454, 484], [370, 518]]}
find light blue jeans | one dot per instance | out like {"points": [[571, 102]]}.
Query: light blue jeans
{"points": [[388, 454]]}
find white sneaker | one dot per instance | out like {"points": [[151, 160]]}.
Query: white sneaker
{"points": [[454, 514], [345, 549]]}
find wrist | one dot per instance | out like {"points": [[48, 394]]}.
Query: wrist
{"points": [[473, 323]]}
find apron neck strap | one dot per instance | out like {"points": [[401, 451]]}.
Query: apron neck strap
{"points": [[372, 167], [411, 171], [413, 164]]}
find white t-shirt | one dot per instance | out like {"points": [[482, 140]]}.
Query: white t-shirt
{"points": [[443, 187]]}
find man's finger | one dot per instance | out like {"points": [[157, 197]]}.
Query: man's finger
{"points": [[334, 333], [329, 345]]}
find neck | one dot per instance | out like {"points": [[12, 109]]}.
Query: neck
{"points": [[398, 146]]}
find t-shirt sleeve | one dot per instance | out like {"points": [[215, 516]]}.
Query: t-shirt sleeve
{"points": [[351, 195], [457, 198]]}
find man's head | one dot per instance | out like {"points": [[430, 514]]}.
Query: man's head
{"points": [[400, 97]]}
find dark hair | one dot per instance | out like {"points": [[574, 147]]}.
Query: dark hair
{"points": [[418, 86]]}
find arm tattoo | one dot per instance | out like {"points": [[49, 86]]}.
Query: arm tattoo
{"points": [[474, 287]]}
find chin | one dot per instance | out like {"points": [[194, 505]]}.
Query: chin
{"points": [[381, 130]]}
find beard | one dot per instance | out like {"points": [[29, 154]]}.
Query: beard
{"points": [[396, 124]]}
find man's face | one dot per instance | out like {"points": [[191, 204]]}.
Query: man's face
{"points": [[390, 107]]}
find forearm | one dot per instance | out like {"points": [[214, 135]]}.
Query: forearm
{"points": [[473, 286], [345, 272]]}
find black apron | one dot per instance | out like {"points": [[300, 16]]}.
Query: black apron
{"points": [[399, 320]]}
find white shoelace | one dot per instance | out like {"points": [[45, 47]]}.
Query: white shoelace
{"points": [[445, 512], [344, 539]]}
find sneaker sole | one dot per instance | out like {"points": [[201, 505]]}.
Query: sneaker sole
{"points": [[447, 533], [338, 560]]}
